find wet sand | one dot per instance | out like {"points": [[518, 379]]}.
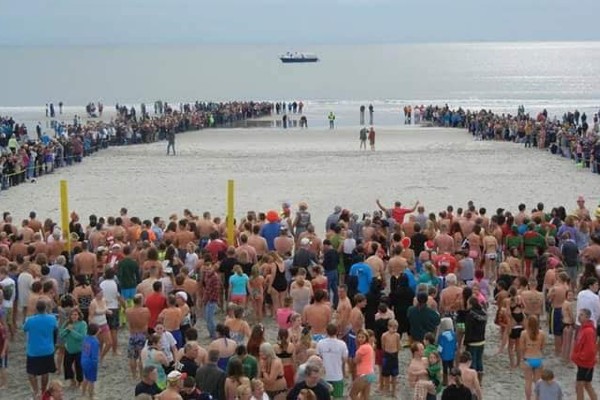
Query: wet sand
{"points": [[324, 168]]}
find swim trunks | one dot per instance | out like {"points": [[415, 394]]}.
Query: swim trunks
{"points": [[555, 324], [135, 346], [390, 364]]}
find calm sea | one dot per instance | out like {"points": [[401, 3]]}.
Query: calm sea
{"points": [[500, 76]]}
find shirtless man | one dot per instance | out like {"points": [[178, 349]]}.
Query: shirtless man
{"points": [[138, 317], [258, 242], [205, 226], [85, 263], [397, 264], [18, 248], [375, 262], [451, 297], [26, 232], [145, 286], [533, 301], [284, 243], [522, 215], [357, 322], [470, 377], [443, 242], [475, 243], [182, 237], [55, 247], [318, 315], [467, 223], [245, 247], [316, 244], [171, 318], [557, 296], [34, 223], [490, 251], [342, 313]]}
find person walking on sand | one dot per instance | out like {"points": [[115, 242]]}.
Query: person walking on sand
{"points": [[363, 138], [370, 114], [331, 118], [584, 355], [372, 138], [171, 141]]}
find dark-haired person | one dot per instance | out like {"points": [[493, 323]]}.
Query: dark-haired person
{"points": [[156, 302], [455, 389], [39, 329]]}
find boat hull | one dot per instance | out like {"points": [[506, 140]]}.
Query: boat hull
{"points": [[299, 60]]}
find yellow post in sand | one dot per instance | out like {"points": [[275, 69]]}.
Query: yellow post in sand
{"points": [[64, 213], [230, 212]]}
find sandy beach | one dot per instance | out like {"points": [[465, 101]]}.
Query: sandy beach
{"points": [[322, 167]]}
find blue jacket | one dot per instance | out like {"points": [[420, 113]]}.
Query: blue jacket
{"points": [[447, 344]]}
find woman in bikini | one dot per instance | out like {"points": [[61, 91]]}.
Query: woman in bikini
{"points": [[224, 345], [532, 343], [97, 315], [239, 330], [271, 372], [257, 288], [285, 351], [514, 308]]}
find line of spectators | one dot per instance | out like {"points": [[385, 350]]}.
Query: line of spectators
{"points": [[23, 158]]}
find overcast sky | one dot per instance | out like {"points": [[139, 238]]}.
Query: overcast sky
{"points": [[43, 22]]}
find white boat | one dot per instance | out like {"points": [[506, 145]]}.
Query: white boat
{"points": [[298, 57]]}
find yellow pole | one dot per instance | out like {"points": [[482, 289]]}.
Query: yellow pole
{"points": [[230, 212], [64, 213]]}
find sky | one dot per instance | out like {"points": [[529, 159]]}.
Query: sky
{"points": [[102, 22]]}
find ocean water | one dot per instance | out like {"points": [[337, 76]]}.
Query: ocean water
{"points": [[499, 76]]}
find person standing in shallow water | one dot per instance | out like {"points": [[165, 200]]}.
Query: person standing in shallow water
{"points": [[370, 114], [362, 114], [331, 118], [171, 142]]}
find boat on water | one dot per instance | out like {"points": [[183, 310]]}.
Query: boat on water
{"points": [[298, 58]]}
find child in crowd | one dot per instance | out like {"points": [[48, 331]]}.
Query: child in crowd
{"points": [[89, 360], [547, 388], [390, 344], [434, 370], [447, 346], [430, 345]]}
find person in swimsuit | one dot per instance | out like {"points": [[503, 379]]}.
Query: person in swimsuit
{"points": [[271, 372], [238, 328], [97, 315], [568, 320], [279, 284], [514, 308], [285, 351], [532, 343], [224, 345], [257, 288]]}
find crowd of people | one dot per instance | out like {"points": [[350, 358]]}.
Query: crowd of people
{"points": [[345, 304], [573, 136], [24, 157]]}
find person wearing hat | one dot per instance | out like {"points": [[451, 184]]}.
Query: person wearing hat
{"points": [[271, 229], [302, 219], [174, 380]]}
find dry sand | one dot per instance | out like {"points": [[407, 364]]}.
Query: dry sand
{"points": [[324, 168]]}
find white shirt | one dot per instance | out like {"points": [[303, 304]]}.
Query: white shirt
{"points": [[24, 282], [110, 291], [8, 284], [333, 352], [588, 299]]}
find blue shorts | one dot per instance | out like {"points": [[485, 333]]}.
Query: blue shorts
{"points": [[90, 372], [555, 324], [128, 294], [4, 362], [350, 340], [390, 364]]}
